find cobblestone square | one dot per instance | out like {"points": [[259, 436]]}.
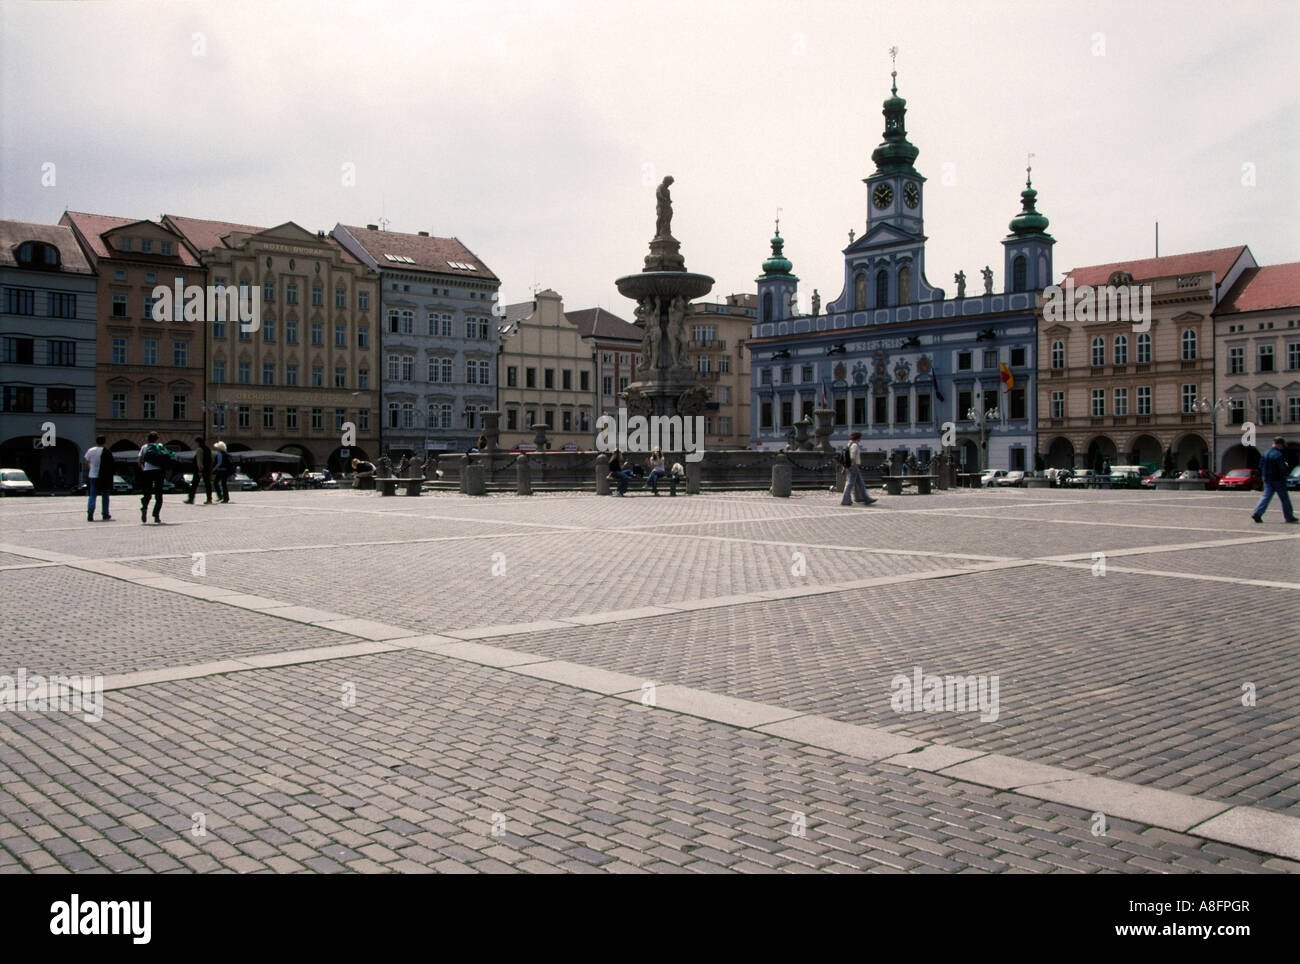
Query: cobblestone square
{"points": [[326, 682]]}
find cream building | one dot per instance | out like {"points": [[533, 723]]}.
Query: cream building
{"points": [[1257, 366], [545, 375], [717, 351]]}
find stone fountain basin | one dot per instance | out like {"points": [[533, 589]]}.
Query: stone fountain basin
{"points": [[664, 284]]}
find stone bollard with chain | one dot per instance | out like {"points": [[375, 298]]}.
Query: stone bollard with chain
{"points": [[474, 481], [692, 478], [523, 475], [782, 476]]}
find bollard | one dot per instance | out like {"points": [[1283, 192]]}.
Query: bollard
{"points": [[692, 478], [523, 475], [841, 477], [474, 483], [464, 474], [602, 475], [782, 476]]}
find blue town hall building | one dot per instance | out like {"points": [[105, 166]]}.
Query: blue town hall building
{"points": [[893, 356]]}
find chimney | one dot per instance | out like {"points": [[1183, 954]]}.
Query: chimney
{"points": [[423, 234], [372, 227]]}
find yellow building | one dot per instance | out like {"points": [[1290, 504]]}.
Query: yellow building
{"points": [[311, 370], [717, 351]]}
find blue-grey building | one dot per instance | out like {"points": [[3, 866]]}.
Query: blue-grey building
{"points": [[438, 341], [892, 355], [47, 353]]}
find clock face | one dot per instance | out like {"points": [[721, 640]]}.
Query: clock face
{"points": [[912, 194], [883, 196]]}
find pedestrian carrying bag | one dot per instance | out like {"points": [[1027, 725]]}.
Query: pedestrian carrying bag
{"points": [[845, 459]]}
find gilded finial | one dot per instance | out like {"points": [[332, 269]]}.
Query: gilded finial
{"points": [[1029, 167], [893, 61]]}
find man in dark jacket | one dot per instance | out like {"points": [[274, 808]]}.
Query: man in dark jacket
{"points": [[202, 463], [1273, 468]]}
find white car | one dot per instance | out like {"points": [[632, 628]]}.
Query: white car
{"points": [[120, 484], [15, 482], [1011, 478], [241, 482], [992, 476]]}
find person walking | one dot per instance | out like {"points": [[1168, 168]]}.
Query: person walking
{"points": [[99, 478], [854, 484], [221, 468], [1273, 469], [153, 458], [202, 463]]}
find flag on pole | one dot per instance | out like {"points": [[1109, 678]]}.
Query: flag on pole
{"points": [[826, 399], [1008, 380]]}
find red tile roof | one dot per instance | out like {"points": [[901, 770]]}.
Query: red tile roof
{"points": [[426, 253], [1259, 289], [599, 323], [71, 258], [1220, 261], [93, 227], [209, 235]]}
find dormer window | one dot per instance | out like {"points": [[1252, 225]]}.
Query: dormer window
{"points": [[146, 246], [124, 244], [167, 249], [38, 254]]}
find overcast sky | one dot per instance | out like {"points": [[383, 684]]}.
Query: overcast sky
{"points": [[536, 131]]}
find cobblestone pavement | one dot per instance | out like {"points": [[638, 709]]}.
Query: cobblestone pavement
{"points": [[418, 752]]}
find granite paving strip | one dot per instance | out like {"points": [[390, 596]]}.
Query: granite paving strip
{"points": [[448, 766]]}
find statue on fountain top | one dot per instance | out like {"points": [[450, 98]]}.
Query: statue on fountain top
{"points": [[664, 209]]}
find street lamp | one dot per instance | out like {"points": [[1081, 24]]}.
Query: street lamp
{"points": [[981, 420]]}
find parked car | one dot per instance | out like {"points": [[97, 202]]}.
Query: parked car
{"points": [[1125, 476], [991, 476], [1150, 481], [1082, 478], [1293, 480], [1011, 478], [241, 482], [121, 485], [277, 480], [1242, 479], [15, 482]]}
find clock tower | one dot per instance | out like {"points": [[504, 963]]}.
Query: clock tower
{"points": [[885, 268], [895, 191]]}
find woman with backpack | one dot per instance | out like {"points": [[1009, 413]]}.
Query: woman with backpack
{"points": [[222, 466]]}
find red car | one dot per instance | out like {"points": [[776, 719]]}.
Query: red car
{"points": [[1209, 478], [1242, 479]]}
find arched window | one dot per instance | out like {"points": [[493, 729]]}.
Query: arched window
{"points": [[767, 306], [860, 293], [1058, 355], [1098, 351], [1019, 274], [904, 286], [1189, 344], [1144, 349], [1121, 349], [882, 289]]}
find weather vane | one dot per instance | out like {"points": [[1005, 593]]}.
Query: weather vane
{"points": [[778, 222], [893, 62], [1029, 168]]}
